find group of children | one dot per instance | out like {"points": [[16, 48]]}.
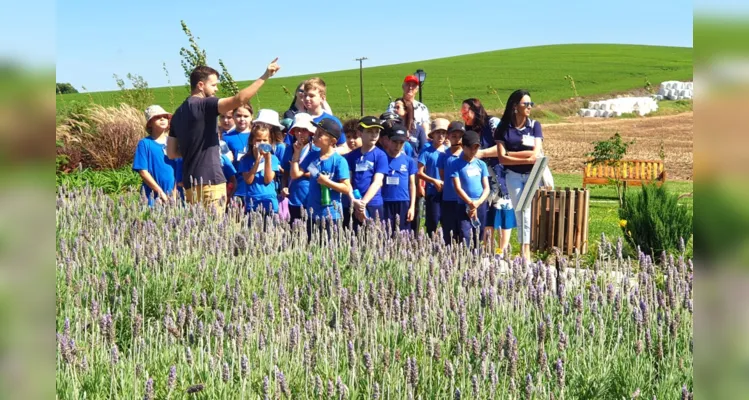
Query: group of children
{"points": [[365, 170]]}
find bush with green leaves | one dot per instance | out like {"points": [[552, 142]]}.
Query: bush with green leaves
{"points": [[654, 220], [110, 181]]}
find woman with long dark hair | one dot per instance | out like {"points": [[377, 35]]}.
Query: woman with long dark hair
{"points": [[499, 217], [519, 142]]}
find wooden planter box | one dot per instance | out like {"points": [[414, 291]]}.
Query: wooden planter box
{"points": [[559, 218]]}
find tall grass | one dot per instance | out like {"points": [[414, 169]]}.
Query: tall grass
{"points": [[107, 136]]}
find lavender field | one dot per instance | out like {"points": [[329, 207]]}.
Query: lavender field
{"points": [[175, 303]]}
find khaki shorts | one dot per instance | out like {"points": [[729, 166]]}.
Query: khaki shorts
{"points": [[213, 196]]}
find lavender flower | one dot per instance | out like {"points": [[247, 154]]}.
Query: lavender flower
{"points": [[559, 369], [244, 366], [114, 355], [149, 390], [528, 386], [282, 384], [225, 373], [195, 388], [171, 381], [368, 364]]}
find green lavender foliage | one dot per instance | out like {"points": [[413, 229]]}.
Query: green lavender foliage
{"points": [[175, 302], [655, 220]]}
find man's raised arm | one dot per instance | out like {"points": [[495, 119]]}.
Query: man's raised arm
{"points": [[243, 97]]}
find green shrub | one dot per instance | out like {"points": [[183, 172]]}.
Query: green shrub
{"points": [[653, 219], [110, 181]]}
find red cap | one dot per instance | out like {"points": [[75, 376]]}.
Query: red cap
{"points": [[411, 79]]}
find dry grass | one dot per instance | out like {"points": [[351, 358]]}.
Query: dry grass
{"points": [[566, 144], [107, 136]]}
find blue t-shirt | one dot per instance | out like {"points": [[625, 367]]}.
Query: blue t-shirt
{"points": [[396, 181], [238, 144], [470, 175], [428, 158], [150, 155], [258, 190], [408, 150], [342, 139], [298, 188], [337, 169], [418, 141], [444, 162], [513, 141], [363, 169], [227, 167]]}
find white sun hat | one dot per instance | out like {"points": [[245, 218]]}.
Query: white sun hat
{"points": [[268, 116]]}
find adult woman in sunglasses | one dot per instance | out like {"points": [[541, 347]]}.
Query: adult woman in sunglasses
{"points": [[519, 142]]}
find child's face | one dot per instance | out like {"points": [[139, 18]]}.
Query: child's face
{"points": [[322, 139], [438, 138], [159, 123], [226, 121], [353, 140], [370, 136], [455, 137], [242, 119], [396, 145], [301, 135], [260, 136], [312, 99], [470, 151], [400, 109]]}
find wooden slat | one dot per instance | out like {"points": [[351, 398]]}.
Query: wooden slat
{"points": [[586, 207], [579, 221], [535, 214], [552, 220], [569, 236], [561, 219], [544, 218]]}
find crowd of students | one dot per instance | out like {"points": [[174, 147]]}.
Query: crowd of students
{"points": [[467, 174]]}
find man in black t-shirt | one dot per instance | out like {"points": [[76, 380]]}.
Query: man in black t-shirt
{"points": [[193, 134]]}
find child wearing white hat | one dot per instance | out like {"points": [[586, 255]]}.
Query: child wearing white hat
{"points": [[151, 161]]}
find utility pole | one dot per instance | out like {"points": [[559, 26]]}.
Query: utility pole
{"points": [[361, 83]]}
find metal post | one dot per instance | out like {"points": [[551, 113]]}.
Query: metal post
{"points": [[361, 83], [419, 91]]}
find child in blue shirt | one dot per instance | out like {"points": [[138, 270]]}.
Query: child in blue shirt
{"points": [[329, 176], [259, 169], [399, 191], [367, 166], [151, 161], [449, 206], [297, 189], [429, 172], [470, 177], [315, 92], [238, 140]]}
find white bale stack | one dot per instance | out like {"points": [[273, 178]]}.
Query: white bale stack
{"points": [[616, 107], [675, 90]]}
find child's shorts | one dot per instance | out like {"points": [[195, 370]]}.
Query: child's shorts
{"points": [[501, 215]]}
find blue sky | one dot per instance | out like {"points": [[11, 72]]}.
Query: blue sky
{"points": [[96, 39]]}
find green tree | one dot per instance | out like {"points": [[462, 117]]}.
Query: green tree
{"points": [[196, 56], [65, 88], [609, 153], [139, 96]]}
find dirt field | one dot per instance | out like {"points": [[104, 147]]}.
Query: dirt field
{"points": [[566, 143]]}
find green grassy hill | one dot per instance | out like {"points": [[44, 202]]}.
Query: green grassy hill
{"points": [[596, 68]]}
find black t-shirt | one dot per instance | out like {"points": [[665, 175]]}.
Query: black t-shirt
{"points": [[194, 126]]}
